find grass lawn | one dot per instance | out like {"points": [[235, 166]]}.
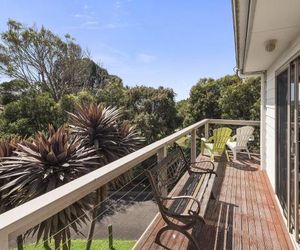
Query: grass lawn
{"points": [[96, 245]]}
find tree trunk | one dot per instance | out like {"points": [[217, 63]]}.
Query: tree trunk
{"points": [[100, 196], [20, 242]]}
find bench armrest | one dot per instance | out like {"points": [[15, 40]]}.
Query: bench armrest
{"points": [[205, 170], [185, 197]]}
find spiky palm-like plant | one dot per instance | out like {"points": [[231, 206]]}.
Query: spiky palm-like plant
{"points": [[100, 127], [7, 148], [41, 165], [97, 126]]}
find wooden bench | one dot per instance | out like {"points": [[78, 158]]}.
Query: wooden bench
{"points": [[183, 211]]}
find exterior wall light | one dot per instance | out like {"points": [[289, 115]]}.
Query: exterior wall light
{"points": [[270, 45]]}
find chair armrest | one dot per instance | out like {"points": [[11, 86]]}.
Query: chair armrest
{"points": [[184, 197], [233, 138], [210, 139]]}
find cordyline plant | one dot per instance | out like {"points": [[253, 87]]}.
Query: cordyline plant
{"points": [[7, 148], [100, 127], [41, 165]]}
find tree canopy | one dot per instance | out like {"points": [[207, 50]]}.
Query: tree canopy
{"points": [[47, 62], [152, 110], [227, 97]]}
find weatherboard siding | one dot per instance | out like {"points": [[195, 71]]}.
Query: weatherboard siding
{"points": [[270, 111]]}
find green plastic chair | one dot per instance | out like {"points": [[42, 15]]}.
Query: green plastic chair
{"points": [[217, 142]]}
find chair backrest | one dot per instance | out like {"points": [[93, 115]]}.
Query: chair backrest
{"points": [[164, 176], [221, 136], [243, 135]]}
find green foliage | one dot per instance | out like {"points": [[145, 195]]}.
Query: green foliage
{"points": [[203, 100], [228, 97], [31, 113], [112, 94], [152, 111], [85, 97], [241, 101], [11, 91], [68, 103], [184, 116]]}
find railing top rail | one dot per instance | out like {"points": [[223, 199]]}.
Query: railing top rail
{"points": [[234, 122], [23, 217], [19, 219]]}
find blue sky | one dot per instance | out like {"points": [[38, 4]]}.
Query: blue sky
{"points": [[170, 43]]}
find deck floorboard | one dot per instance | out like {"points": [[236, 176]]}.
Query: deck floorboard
{"points": [[244, 214]]}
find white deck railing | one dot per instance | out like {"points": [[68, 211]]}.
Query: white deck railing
{"points": [[18, 220]]}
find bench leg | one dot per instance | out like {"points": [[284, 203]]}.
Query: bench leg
{"points": [[184, 232], [212, 196]]}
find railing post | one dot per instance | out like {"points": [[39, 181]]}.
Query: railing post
{"points": [[206, 130], [193, 145], [162, 153]]}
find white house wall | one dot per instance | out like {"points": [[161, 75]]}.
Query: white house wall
{"points": [[269, 126]]}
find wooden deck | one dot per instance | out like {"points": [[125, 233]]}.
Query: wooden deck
{"points": [[244, 214]]}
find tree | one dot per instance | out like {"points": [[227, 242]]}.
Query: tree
{"points": [[183, 108], [47, 62], [152, 111], [241, 101], [41, 165], [203, 100], [42, 59], [100, 128]]}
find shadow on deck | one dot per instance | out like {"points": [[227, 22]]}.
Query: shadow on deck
{"points": [[244, 214]]}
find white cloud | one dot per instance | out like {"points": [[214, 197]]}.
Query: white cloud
{"points": [[83, 16], [85, 7], [118, 4], [146, 58], [91, 23], [110, 26]]}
